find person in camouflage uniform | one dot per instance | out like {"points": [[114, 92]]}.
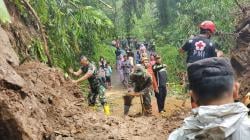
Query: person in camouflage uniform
{"points": [[90, 73], [141, 82]]}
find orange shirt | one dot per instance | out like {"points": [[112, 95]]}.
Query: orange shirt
{"points": [[151, 72]]}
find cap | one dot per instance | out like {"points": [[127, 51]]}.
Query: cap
{"points": [[210, 67], [139, 67]]}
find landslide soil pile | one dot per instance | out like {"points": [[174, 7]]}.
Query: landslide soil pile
{"points": [[241, 53], [49, 107], [44, 104]]}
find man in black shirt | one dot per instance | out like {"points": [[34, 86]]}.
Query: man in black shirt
{"points": [[118, 53], [200, 46], [161, 77]]}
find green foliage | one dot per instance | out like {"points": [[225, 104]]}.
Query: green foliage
{"points": [[4, 14], [174, 61], [107, 52], [37, 51], [73, 29], [191, 13], [132, 9], [76, 27], [165, 10], [144, 28], [176, 89]]}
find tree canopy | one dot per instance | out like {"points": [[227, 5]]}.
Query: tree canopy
{"points": [[75, 27]]}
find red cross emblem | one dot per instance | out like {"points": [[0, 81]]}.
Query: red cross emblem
{"points": [[200, 45]]}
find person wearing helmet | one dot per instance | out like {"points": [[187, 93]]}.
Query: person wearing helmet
{"points": [[142, 83], [200, 47]]}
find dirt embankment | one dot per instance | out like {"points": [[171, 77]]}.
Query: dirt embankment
{"points": [[50, 107], [241, 53], [45, 103]]}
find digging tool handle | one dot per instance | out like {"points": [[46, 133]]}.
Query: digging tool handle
{"points": [[142, 107]]}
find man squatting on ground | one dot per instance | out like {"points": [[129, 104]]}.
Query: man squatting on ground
{"points": [[90, 72], [217, 117], [141, 82]]}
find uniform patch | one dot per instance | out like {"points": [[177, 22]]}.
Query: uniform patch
{"points": [[190, 41], [200, 45]]}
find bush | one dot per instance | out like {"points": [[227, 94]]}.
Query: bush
{"points": [[174, 61]]}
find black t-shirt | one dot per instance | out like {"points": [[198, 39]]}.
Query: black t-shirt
{"points": [[199, 48], [160, 72], [118, 52]]}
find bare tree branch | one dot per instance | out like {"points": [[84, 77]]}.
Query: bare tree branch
{"points": [[243, 9], [45, 46], [110, 7]]}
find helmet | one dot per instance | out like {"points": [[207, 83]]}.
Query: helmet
{"points": [[139, 68], [208, 25]]}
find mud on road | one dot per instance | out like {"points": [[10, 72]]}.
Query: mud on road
{"points": [[49, 107]]}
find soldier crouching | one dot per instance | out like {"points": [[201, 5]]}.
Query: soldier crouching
{"points": [[141, 82]]}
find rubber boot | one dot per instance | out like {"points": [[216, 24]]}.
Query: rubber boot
{"points": [[126, 109], [106, 109]]}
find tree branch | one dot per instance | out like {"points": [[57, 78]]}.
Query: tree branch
{"points": [[45, 46], [110, 7], [243, 9]]}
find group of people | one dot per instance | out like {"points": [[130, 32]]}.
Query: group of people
{"points": [[133, 43], [105, 72], [212, 84], [143, 74]]}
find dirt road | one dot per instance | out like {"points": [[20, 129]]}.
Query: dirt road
{"points": [[115, 99]]}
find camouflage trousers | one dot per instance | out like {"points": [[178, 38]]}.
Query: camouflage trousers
{"points": [[146, 103], [97, 91]]}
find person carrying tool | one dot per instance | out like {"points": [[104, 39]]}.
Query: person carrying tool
{"points": [[90, 73], [142, 83], [218, 117]]}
